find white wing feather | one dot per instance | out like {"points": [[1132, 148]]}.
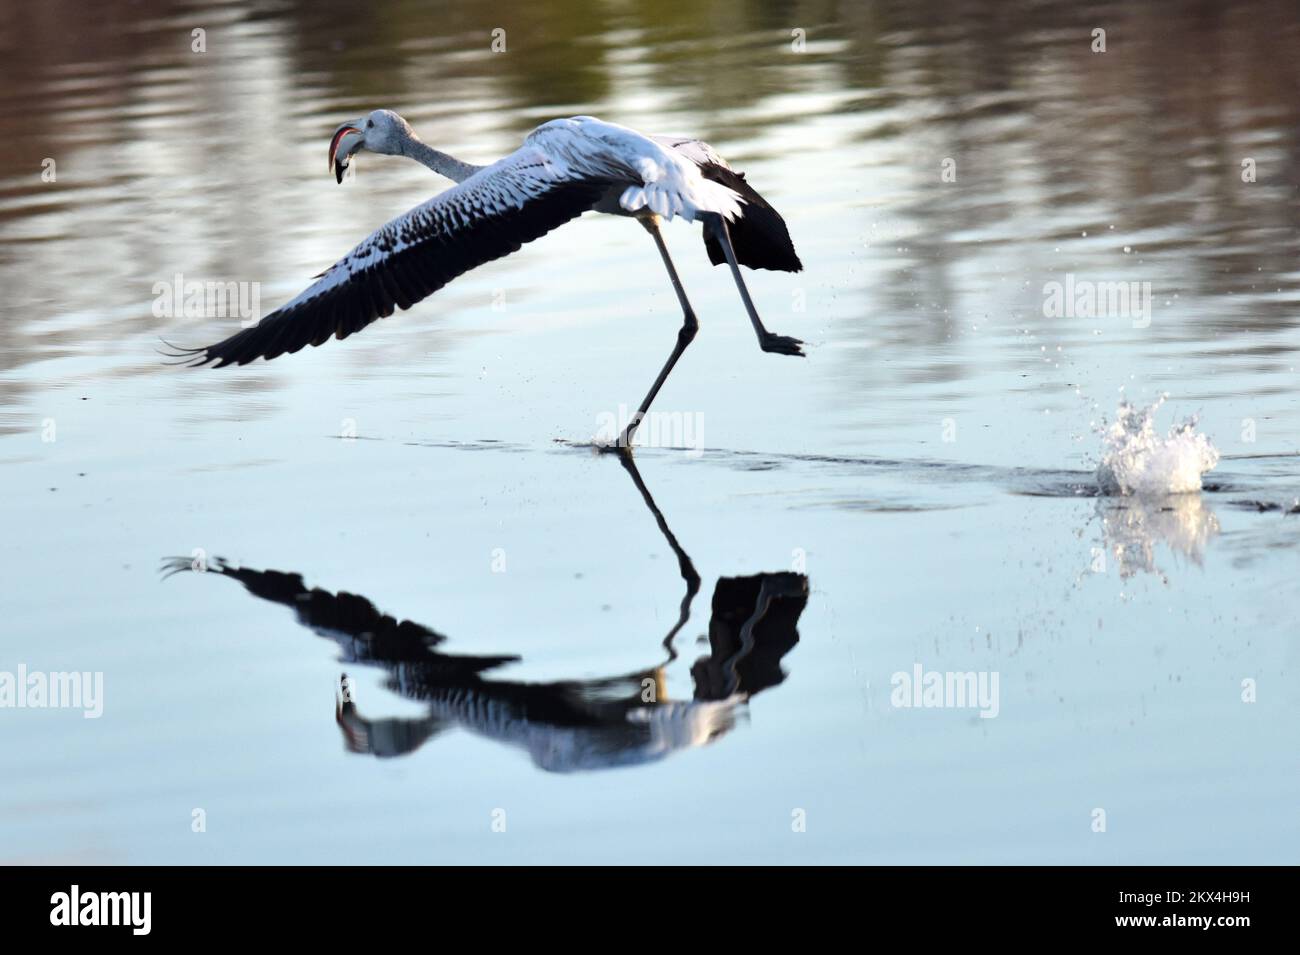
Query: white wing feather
{"points": [[663, 180]]}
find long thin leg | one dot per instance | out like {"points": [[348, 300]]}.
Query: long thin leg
{"points": [[690, 325], [684, 563], [780, 344]]}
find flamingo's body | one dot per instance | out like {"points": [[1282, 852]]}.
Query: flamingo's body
{"points": [[758, 234], [564, 168]]}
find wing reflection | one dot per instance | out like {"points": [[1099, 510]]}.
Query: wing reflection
{"points": [[566, 725]]}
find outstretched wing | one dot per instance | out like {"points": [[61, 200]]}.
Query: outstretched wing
{"points": [[489, 215], [696, 150], [759, 235], [657, 178]]}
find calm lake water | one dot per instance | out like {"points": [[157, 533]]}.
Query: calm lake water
{"points": [[417, 507]]}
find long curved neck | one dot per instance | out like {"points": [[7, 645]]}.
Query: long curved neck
{"points": [[438, 161]]}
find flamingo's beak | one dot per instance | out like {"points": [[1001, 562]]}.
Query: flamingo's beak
{"points": [[347, 139]]}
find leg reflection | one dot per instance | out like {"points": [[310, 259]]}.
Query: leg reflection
{"points": [[566, 725]]}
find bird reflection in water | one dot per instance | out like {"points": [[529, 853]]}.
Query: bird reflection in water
{"points": [[567, 725]]}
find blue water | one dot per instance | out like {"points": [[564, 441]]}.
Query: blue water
{"points": [[927, 473]]}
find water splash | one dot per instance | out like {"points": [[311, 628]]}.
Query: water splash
{"points": [[1138, 461]]}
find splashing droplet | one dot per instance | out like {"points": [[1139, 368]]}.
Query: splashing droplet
{"points": [[1139, 461]]}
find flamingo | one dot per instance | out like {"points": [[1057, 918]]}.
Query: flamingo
{"points": [[565, 167]]}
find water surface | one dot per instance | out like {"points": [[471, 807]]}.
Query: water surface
{"points": [[417, 508]]}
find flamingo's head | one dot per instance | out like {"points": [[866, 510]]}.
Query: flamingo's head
{"points": [[382, 131]]}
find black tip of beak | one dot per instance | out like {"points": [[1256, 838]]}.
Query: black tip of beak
{"points": [[340, 162]]}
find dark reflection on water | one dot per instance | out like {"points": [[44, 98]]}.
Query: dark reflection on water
{"points": [[565, 726]]}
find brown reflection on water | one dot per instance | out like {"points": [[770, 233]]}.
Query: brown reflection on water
{"points": [[168, 159]]}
